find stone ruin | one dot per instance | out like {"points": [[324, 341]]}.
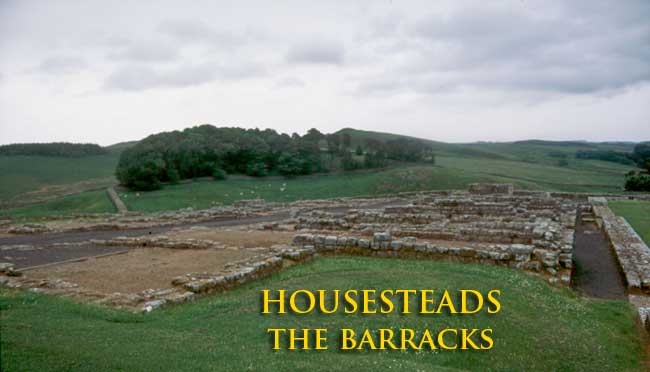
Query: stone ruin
{"points": [[632, 255], [488, 223]]}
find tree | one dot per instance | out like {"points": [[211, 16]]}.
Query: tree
{"points": [[359, 150], [347, 140], [62, 149], [333, 143], [641, 155], [637, 182], [290, 165], [256, 169], [172, 175], [219, 174], [347, 162]]}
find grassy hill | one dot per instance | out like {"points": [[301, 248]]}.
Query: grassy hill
{"points": [[533, 164], [540, 327], [27, 180]]}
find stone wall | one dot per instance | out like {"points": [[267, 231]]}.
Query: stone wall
{"points": [[490, 188], [632, 253], [633, 257], [556, 265]]}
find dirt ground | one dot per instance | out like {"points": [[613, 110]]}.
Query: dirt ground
{"points": [[597, 273], [235, 237], [142, 268]]}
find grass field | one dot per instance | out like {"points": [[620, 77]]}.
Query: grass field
{"points": [[637, 213], [539, 328], [83, 203], [528, 165], [450, 173]]}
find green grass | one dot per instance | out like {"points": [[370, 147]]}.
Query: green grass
{"points": [[205, 193], [86, 202], [540, 328], [22, 174], [637, 213], [528, 165], [449, 173]]}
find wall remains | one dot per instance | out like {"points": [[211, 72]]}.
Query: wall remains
{"points": [[633, 257]]}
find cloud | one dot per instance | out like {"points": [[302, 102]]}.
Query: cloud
{"points": [[61, 65], [146, 52], [136, 77], [196, 31], [290, 82], [317, 51], [572, 50]]}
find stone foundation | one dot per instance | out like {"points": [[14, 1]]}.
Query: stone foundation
{"points": [[554, 265], [632, 254]]}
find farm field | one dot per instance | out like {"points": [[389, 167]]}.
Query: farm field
{"points": [[568, 332], [637, 213]]}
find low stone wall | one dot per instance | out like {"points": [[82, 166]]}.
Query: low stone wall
{"points": [[555, 265], [115, 199], [632, 253], [491, 188], [184, 288]]}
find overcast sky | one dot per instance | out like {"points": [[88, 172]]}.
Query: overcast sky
{"points": [[456, 71]]}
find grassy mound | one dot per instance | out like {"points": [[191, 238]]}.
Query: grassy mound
{"points": [[539, 328]]}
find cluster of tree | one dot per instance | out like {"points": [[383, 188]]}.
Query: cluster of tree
{"points": [[639, 181], [606, 155], [64, 149], [210, 151], [641, 155]]}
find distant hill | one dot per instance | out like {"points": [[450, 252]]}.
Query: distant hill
{"points": [[534, 150]]}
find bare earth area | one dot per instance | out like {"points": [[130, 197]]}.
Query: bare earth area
{"points": [[142, 268], [597, 273], [235, 237]]}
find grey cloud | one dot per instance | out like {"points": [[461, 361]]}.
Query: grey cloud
{"points": [[61, 65], [567, 50], [189, 31], [317, 51], [135, 77], [146, 52]]}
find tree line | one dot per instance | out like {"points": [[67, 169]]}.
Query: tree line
{"points": [[640, 180], [606, 155], [62, 149], [207, 150]]}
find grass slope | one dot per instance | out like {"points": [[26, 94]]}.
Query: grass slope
{"points": [[450, 173], [540, 328], [637, 213], [32, 179], [527, 164], [83, 203], [23, 174]]}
